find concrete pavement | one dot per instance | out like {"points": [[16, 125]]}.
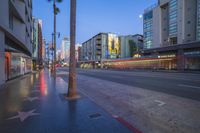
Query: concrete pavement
{"points": [[36, 104], [149, 110]]}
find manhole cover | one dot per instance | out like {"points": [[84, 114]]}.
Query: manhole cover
{"points": [[94, 116]]}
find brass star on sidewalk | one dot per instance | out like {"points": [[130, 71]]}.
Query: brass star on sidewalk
{"points": [[31, 99], [24, 115], [35, 91]]}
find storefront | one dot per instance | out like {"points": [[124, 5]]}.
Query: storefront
{"points": [[192, 60], [16, 64]]}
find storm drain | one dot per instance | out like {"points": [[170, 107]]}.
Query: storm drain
{"points": [[95, 116]]}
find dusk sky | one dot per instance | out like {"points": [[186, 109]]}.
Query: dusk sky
{"points": [[93, 16]]}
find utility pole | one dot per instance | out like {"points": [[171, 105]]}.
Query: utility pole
{"points": [[72, 66]]}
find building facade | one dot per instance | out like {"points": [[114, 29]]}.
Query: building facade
{"points": [[172, 28], [130, 45], [101, 46], [15, 38], [65, 49], [38, 47], [78, 52], [171, 22]]}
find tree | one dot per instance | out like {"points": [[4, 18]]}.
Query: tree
{"points": [[72, 66], [56, 10], [132, 47]]}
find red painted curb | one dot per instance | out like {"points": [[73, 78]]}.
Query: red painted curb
{"points": [[133, 129]]}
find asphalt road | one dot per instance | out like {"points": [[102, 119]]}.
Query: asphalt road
{"points": [[185, 85]]}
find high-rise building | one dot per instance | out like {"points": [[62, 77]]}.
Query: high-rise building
{"points": [[15, 38], [172, 28], [38, 44], [65, 49], [58, 55], [171, 22]]}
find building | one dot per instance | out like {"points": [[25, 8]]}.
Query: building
{"points": [[78, 52], [101, 46], [172, 28], [15, 38], [130, 45], [49, 53], [58, 55], [65, 49], [38, 44], [43, 50]]}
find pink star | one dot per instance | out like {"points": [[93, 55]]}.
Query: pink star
{"points": [[24, 115]]}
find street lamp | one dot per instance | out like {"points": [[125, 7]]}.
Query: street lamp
{"points": [[56, 10]]}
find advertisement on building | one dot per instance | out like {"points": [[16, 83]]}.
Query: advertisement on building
{"points": [[113, 46]]}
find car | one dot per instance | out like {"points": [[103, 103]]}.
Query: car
{"points": [[58, 65]]}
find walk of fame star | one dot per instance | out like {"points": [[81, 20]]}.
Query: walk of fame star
{"points": [[35, 91], [31, 99], [24, 115]]}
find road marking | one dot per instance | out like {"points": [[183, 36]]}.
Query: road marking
{"points": [[160, 103], [196, 87], [127, 124]]}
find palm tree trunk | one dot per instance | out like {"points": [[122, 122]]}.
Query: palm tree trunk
{"points": [[54, 64], [72, 65]]}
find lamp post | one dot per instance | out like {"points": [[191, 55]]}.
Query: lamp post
{"points": [[72, 66], [56, 10]]}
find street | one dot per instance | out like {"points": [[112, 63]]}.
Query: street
{"points": [[185, 85], [153, 102]]}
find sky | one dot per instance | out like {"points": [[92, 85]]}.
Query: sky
{"points": [[93, 16]]}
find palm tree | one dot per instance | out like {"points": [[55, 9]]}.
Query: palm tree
{"points": [[72, 66], [56, 10]]}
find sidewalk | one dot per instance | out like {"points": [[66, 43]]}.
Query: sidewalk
{"points": [[36, 104]]}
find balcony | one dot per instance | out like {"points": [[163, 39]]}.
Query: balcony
{"points": [[98, 53], [98, 47]]}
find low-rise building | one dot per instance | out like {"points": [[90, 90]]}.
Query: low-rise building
{"points": [[101, 46]]}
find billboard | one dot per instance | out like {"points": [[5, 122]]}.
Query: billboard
{"points": [[113, 46]]}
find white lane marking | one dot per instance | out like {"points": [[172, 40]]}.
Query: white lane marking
{"points": [[160, 103], [190, 86]]}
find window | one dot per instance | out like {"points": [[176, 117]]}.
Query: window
{"points": [[10, 16], [173, 18]]}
